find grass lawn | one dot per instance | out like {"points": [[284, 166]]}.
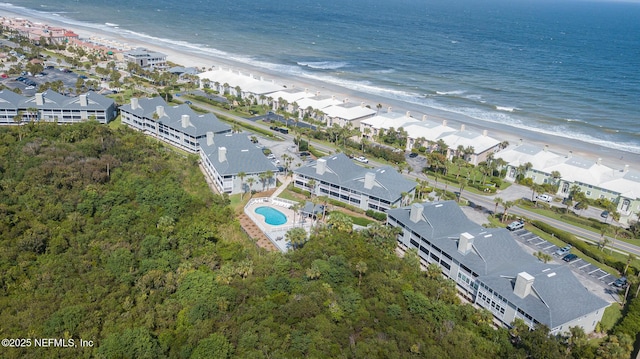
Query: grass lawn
{"points": [[611, 316]]}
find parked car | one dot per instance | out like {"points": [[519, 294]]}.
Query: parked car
{"points": [[570, 257], [271, 156], [604, 214], [514, 226], [563, 251], [361, 159], [544, 197], [620, 282], [413, 155], [29, 87], [188, 102], [304, 154]]}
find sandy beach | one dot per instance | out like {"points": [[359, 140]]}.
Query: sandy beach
{"points": [[611, 157]]}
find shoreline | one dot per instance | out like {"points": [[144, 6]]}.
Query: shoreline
{"points": [[187, 57]]}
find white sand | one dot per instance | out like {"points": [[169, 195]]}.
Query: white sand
{"points": [[611, 157]]}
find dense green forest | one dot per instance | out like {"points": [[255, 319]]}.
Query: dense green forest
{"points": [[110, 237]]}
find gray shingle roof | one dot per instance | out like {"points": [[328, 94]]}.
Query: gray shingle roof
{"points": [[241, 156], [341, 170], [10, 99], [497, 259], [199, 124], [557, 297]]}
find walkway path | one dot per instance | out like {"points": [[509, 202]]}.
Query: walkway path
{"points": [[282, 187]]}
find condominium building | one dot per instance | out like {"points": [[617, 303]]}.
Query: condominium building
{"points": [[50, 106], [492, 271], [339, 178], [178, 125]]}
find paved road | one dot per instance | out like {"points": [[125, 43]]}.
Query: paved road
{"points": [[479, 200]]}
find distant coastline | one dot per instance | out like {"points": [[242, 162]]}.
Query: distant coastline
{"points": [[187, 57]]}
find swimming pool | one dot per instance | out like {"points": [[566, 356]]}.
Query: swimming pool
{"points": [[272, 216]]}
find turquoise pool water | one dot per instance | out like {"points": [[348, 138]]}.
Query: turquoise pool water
{"points": [[272, 216]]}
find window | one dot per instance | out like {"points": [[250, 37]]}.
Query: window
{"points": [[588, 193]]}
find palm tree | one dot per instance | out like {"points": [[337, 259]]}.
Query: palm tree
{"points": [[506, 205], [312, 186], [463, 184], [242, 175], [498, 201], [296, 237], [250, 182], [268, 176], [295, 208]]}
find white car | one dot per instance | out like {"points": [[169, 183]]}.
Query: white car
{"points": [[544, 197], [29, 88], [514, 226], [361, 159]]}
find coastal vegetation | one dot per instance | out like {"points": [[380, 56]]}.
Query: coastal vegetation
{"points": [[109, 237]]}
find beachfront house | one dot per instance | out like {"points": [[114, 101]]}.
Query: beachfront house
{"points": [[492, 271], [146, 59], [341, 179], [226, 81], [50, 106], [287, 99], [235, 165], [177, 125], [371, 127], [314, 106], [347, 113], [620, 185]]}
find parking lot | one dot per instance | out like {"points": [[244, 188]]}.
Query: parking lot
{"points": [[585, 270], [29, 84], [280, 148]]}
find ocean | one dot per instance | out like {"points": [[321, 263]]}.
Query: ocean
{"points": [[564, 68]]}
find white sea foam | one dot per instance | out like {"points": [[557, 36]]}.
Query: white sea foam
{"points": [[323, 65], [111, 24], [448, 93], [506, 109]]}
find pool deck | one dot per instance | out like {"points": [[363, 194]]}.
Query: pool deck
{"points": [[276, 234]]}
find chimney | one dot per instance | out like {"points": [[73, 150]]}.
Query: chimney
{"points": [[424, 117], [321, 166], [462, 127], [362, 104], [485, 133], [369, 180], [317, 93], [465, 242], [222, 154], [333, 97], [444, 123], [134, 103], [408, 114], [520, 142], [185, 121], [39, 99], [346, 99], [626, 168], [83, 100], [209, 138], [160, 111], [599, 161], [524, 282], [416, 212], [569, 154], [306, 90], [546, 148], [389, 109]]}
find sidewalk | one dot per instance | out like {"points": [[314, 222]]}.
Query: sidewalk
{"points": [[282, 187]]}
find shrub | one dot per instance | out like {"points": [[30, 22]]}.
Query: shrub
{"points": [[380, 216]]}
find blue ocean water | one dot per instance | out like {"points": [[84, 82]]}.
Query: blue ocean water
{"points": [[566, 67]]}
